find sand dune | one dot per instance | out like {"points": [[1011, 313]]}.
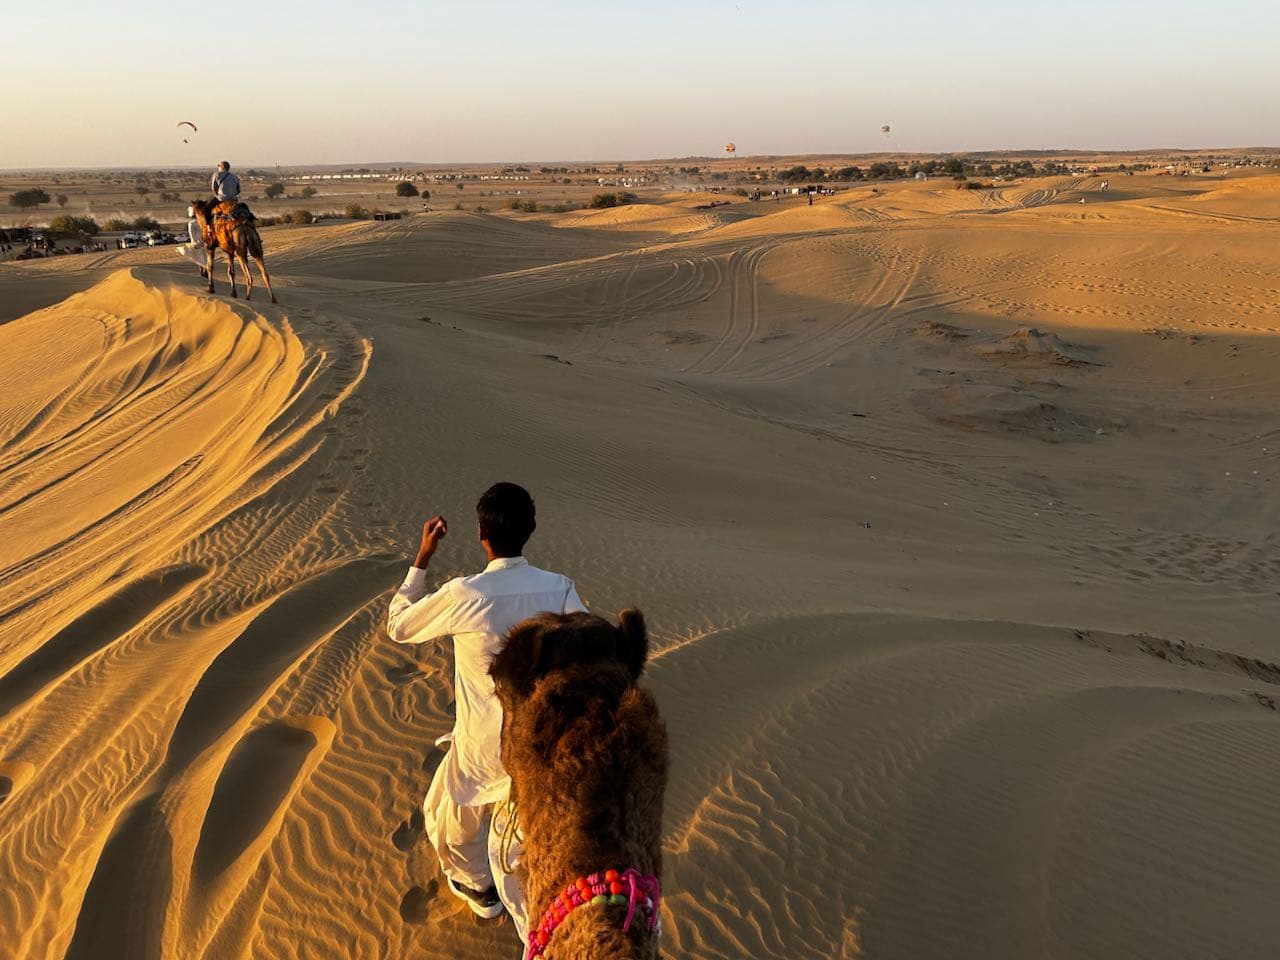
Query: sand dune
{"points": [[953, 512]]}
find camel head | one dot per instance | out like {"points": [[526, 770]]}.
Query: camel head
{"points": [[576, 642]]}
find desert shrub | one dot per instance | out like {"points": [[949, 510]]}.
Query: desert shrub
{"points": [[116, 224], [624, 197], [74, 225], [25, 199], [525, 206], [560, 208], [274, 190], [406, 189], [269, 221], [480, 208], [459, 206], [146, 223], [307, 193], [602, 200], [61, 199], [300, 217], [354, 211]]}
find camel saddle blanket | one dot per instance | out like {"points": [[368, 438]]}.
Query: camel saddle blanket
{"points": [[234, 210]]}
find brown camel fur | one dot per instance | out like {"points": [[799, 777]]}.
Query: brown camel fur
{"points": [[237, 238], [587, 754]]}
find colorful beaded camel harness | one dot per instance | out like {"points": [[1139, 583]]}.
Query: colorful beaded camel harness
{"points": [[598, 890]]}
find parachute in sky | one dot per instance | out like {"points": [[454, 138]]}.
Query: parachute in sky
{"points": [[730, 148], [188, 123], [885, 129]]}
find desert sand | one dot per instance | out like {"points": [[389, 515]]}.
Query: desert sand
{"points": [[954, 515]]}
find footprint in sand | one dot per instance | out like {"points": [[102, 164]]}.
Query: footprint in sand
{"points": [[415, 906], [14, 775], [405, 673], [409, 832]]}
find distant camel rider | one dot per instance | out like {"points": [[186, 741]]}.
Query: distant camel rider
{"points": [[225, 184], [226, 191]]}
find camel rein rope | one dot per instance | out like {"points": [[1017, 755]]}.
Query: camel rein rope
{"points": [[510, 834]]}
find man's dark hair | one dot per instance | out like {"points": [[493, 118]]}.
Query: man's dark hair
{"points": [[225, 164], [506, 518]]}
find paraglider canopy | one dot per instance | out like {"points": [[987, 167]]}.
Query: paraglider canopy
{"points": [[730, 148], [188, 123], [885, 129]]}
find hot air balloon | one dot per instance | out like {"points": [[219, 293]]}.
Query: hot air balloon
{"points": [[730, 148], [188, 123]]}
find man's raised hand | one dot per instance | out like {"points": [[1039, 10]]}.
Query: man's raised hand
{"points": [[433, 531]]}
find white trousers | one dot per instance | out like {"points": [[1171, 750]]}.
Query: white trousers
{"points": [[459, 834]]}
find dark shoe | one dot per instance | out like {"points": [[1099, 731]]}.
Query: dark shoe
{"points": [[485, 904], [204, 273]]}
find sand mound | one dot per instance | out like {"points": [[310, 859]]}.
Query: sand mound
{"points": [[1002, 409], [1027, 344]]}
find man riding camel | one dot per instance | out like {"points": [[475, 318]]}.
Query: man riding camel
{"points": [[227, 204], [225, 184]]}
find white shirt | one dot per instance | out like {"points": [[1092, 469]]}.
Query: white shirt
{"points": [[477, 611], [194, 232]]}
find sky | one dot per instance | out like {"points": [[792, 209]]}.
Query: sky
{"points": [[280, 81]]}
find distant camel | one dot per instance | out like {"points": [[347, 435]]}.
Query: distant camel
{"points": [[587, 754], [237, 237]]}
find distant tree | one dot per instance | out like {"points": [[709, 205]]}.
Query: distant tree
{"points": [[26, 199], [795, 175], [847, 173], [354, 211], [146, 223], [425, 194], [953, 166], [307, 193], [61, 199], [116, 224], [301, 217], [142, 190], [406, 189], [459, 185], [74, 226], [884, 171], [274, 191], [602, 200]]}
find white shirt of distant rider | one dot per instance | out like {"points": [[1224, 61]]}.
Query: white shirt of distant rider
{"points": [[225, 185]]}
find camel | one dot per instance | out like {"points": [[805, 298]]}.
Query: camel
{"points": [[587, 754], [237, 238]]}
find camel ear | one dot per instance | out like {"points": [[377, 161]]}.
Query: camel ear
{"points": [[634, 648], [516, 666]]}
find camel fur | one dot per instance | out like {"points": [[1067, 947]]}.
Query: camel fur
{"points": [[237, 238], [587, 754]]}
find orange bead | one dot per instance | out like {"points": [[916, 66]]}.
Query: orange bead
{"points": [[615, 887], [611, 875]]}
